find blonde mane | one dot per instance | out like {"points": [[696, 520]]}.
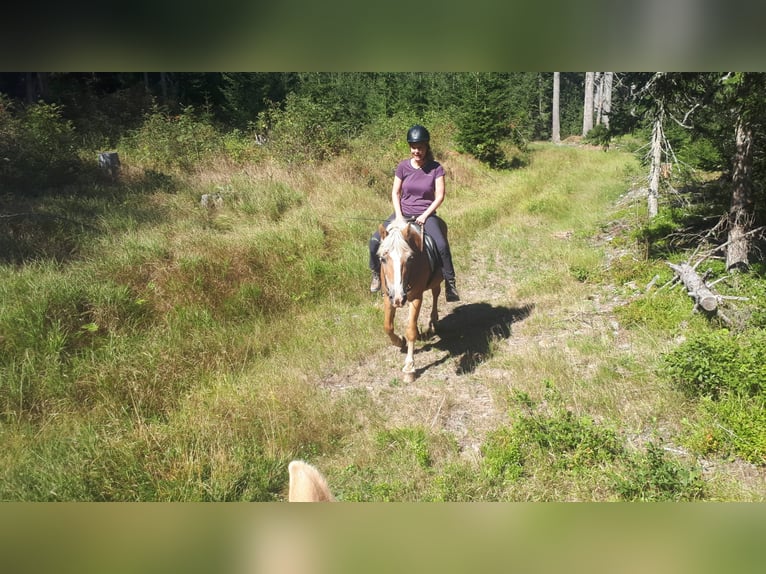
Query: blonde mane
{"points": [[394, 241]]}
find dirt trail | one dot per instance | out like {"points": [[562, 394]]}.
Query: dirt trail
{"points": [[459, 391], [450, 393]]}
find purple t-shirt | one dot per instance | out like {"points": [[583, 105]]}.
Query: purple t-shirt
{"points": [[418, 185]]}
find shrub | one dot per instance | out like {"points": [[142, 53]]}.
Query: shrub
{"points": [[241, 146], [701, 153], [718, 362], [732, 426], [503, 456], [654, 477], [574, 442], [37, 146], [303, 131], [166, 141], [600, 135], [728, 373]]}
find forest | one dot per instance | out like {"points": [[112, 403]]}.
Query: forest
{"points": [[52, 122], [185, 304]]}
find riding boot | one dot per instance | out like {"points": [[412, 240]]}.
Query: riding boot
{"points": [[375, 283], [451, 291]]}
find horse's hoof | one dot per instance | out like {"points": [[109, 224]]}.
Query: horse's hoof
{"points": [[409, 377]]}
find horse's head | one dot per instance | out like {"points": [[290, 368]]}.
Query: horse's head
{"points": [[400, 244]]}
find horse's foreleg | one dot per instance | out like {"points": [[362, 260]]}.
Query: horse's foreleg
{"points": [[388, 325], [412, 335], [435, 292]]}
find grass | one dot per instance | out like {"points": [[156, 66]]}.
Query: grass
{"points": [[176, 353]]}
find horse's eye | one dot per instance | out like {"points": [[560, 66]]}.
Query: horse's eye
{"points": [[383, 260]]}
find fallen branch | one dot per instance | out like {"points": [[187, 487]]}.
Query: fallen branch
{"points": [[651, 283], [702, 255], [696, 287]]}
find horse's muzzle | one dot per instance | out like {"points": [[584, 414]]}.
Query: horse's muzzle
{"points": [[399, 299]]}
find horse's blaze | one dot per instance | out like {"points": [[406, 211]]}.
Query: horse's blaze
{"points": [[399, 296]]}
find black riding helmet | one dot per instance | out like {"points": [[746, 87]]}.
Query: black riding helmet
{"points": [[418, 133]]}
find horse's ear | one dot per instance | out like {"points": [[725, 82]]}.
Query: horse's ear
{"points": [[307, 484], [382, 231]]}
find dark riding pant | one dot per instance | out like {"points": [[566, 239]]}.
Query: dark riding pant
{"points": [[433, 229]]}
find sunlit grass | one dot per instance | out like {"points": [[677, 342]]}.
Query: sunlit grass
{"points": [[180, 355]]}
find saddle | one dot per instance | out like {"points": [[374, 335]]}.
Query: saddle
{"points": [[434, 259]]}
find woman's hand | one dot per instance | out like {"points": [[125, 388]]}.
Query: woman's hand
{"points": [[421, 219]]}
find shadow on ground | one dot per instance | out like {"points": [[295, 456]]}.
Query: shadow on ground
{"points": [[469, 331]]}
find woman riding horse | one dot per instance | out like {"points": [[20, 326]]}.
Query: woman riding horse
{"points": [[417, 193]]}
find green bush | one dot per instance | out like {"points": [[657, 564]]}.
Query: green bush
{"points": [[731, 426], [503, 458], [655, 477], [573, 442], [701, 153], [599, 135], [728, 373], [37, 146], [168, 141], [303, 131], [718, 362], [242, 146], [10, 129]]}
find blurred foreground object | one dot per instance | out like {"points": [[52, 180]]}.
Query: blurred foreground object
{"points": [[307, 484]]}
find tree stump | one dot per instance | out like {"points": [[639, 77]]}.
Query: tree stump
{"points": [[109, 161]]}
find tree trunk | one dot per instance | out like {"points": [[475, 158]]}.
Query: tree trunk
{"points": [[741, 199], [164, 86], [42, 82], [556, 128], [31, 88], [587, 117], [598, 96], [606, 94], [656, 166], [695, 286]]}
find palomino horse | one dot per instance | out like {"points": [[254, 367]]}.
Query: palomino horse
{"points": [[406, 274]]}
